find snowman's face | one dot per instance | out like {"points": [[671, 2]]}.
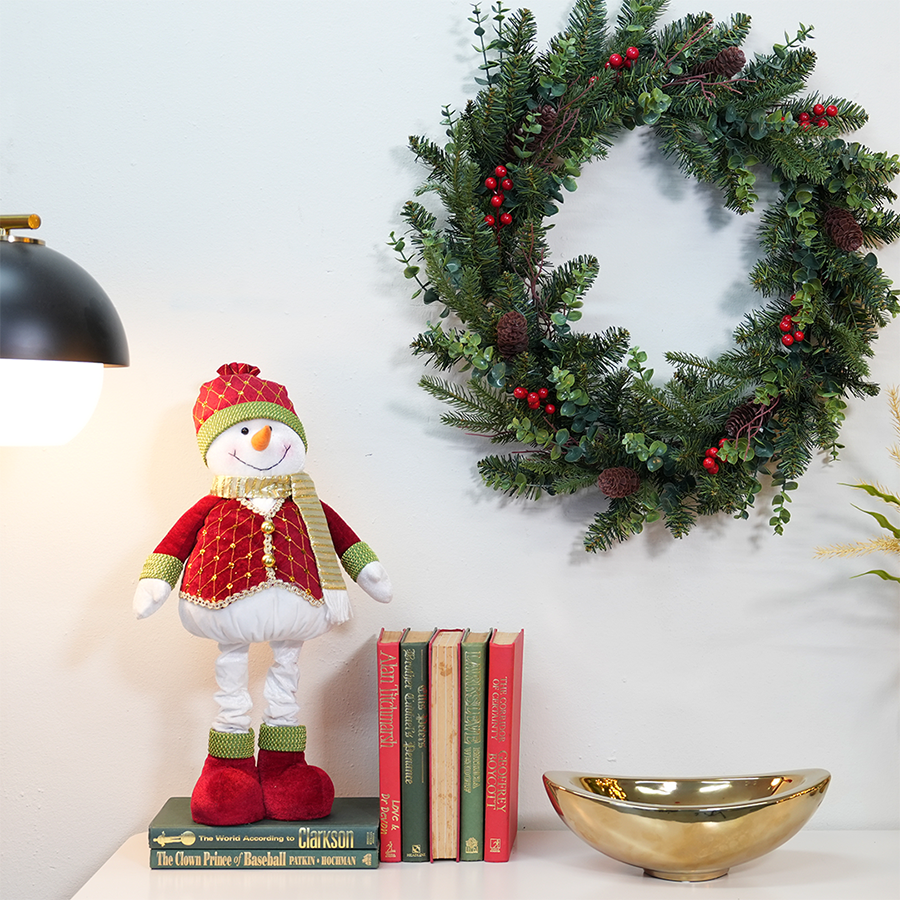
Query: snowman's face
{"points": [[258, 448]]}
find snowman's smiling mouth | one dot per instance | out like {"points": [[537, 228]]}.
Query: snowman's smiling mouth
{"points": [[266, 468]]}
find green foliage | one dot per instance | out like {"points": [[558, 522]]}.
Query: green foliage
{"points": [[889, 542], [545, 114]]}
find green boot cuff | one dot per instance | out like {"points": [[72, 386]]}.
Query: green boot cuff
{"points": [[289, 738], [231, 746]]}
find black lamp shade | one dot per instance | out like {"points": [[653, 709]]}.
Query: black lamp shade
{"points": [[50, 308]]}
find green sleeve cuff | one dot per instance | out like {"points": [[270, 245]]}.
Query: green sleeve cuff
{"points": [[356, 558], [162, 566]]}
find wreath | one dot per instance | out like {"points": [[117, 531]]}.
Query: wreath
{"points": [[584, 409]]}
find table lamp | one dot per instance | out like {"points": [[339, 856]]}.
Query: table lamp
{"points": [[58, 329]]}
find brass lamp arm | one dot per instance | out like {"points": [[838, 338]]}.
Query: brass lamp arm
{"points": [[7, 223]]}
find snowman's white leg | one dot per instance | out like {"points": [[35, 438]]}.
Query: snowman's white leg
{"points": [[282, 680], [233, 696]]}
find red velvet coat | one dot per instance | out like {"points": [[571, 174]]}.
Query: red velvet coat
{"points": [[224, 543]]}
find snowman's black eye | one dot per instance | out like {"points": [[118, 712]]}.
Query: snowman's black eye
{"points": [[245, 431]]}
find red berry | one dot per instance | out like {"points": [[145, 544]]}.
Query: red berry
{"points": [[709, 464], [798, 336], [505, 219], [822, 123], [632, 53], [722, 441], [592, 79], [497, 200], [606, 66], [803, 117], [520, 393], [490, 220], [787, 340], [500, 171], [804, 125], [713, 469], [490, 183], [533, 399], [786, 325], [627, 63], [549, 409], [831, 111], [615, 60], [713, 451], [542, 393], [506, 184], [818, 109]]}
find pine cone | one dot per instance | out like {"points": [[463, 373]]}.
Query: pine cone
{"points": [[739, 422], [727, 63], [512, 333], [619, 481], [546, 118], [843, 228]]}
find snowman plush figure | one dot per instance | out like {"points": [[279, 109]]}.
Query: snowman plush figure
{"points": [[260, 561]]}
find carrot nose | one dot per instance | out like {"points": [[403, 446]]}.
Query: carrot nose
{"points": [[261, 439]]}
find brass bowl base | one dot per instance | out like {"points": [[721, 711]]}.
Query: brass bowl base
{"points": [[686, 876]]}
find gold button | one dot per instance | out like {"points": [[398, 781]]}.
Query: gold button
{"points": [[268, 560], [267, 527]]}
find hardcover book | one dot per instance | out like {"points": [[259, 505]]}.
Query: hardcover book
{"points": [[388, 674], [414, 830], [472, 718], [504, 711], [232, 858], [443, 729], [351, 825]]}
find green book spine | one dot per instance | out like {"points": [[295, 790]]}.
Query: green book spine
{"points": [[226, 858], [414, 825], [352, 825], [471, 788]]}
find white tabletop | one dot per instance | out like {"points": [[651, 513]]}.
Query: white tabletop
{"points": [[545, 865]]}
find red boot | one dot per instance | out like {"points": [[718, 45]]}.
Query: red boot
{"points": [[292, 789], [228, 791]]}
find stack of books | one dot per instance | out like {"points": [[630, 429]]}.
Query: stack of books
{"points": [[345, 839], [449, 714]]}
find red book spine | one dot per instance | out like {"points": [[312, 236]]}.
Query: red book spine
{"points": [[504, 717], [388, 665]]}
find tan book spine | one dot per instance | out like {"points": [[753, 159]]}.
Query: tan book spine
{"points": [[444, 709]]}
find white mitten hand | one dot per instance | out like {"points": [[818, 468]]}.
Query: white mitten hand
{"points": [[150, 595], [374, 580]]}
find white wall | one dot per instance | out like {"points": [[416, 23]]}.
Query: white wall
{"points": [[230, 172]]}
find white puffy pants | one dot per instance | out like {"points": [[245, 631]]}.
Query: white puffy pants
{"points": [[275, 615]]}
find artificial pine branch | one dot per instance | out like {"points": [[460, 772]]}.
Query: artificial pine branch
{"points": [[587, 28], [520, 32]]}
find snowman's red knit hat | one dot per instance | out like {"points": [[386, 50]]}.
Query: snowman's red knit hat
{"points": [[239, 394]]}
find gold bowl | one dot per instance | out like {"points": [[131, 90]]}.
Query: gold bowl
{"points": [[686, 829]]}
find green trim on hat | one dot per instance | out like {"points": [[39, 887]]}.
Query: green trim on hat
{"points": [[223, 419], [286, 738], [227, 745], [357, 557]]}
